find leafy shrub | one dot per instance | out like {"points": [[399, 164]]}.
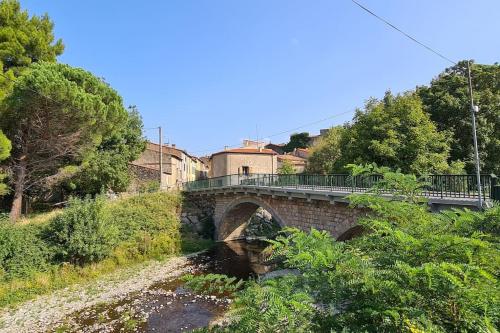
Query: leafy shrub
{"points": [[84, 232], [22, 252], [212, 283], [413, 271], [149, 212]]}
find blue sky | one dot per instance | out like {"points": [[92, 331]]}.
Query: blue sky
{"points": [[214, 72]]}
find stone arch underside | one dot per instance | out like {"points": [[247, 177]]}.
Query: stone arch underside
{"points": [[231, 225], [233, 211]]}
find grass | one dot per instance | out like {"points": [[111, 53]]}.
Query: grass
{"points": [[159, 245]]}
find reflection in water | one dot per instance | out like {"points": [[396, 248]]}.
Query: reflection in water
{"points": [[167, 306]]}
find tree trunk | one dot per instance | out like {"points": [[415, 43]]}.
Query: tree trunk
{"points": [[17, 203]]}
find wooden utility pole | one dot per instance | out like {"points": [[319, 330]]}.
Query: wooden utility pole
{"points": [[161, 157]]}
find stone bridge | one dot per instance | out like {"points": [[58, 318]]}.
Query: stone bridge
{"points": [[300, 206], [233, 207]]}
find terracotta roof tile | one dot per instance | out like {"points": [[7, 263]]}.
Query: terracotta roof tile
{"points": [[247, 151]]}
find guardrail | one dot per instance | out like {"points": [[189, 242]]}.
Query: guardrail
{"points": [[444, 186]]}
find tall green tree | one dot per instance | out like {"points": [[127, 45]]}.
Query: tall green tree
{"points": [[396, 132], [297, 140], [106, 168], [448, 103], [56, 116], [326, 156], [24, 39], [5, 147]]}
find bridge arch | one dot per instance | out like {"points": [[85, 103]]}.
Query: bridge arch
{"points": [[232, 222]]}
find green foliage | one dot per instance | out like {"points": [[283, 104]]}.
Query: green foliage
{"points": [[326, 156], [210, 284], [447, 101], [150, 186], [151, 213], [61, 125], [84, 232], [25, 39], [297, 140], [126, 231], [272, 306], [5, 147], [286, 168], [401, 186], [22, 251], [412, 271], [106, 168], [397, 133]]}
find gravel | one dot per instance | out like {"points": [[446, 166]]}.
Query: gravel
{"points": [[49, 310]]}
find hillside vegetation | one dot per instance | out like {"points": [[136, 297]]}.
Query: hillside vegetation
{"points": [[87, 239]]}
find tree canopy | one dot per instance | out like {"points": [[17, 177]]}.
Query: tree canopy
{"points": [[5, 147], [326, 156], [448, 103], [56, 116], [297, 140], [396, 132], [107, 166], [24, 39]]}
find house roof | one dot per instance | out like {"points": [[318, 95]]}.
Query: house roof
{"points": [[177, 153], [247, 151], [291, 158], [167, 169]]}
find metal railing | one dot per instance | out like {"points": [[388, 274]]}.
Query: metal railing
{"points": [[443, 186]]}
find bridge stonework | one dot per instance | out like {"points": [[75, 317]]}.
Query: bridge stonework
{"points": [[232, 211]]}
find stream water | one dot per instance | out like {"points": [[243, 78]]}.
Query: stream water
{"points": [[168, 307]]}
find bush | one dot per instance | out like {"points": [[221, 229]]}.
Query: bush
{"points": [[413, 271], [84, 232], [149, 212], [22, 252]]}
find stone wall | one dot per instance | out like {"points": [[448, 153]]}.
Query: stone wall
{"points": [[233, 211]]}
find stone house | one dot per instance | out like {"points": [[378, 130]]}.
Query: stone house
{"points": [[178, 166], [298, 163], [243, 161]]}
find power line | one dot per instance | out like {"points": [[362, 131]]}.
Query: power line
{"points": [[279, 133], [404, 33]]}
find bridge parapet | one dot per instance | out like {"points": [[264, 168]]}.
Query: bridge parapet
{"points": [[453, 190]]}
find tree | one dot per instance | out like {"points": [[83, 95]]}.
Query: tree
{"points": [[24, 39], [286, 168], [107, 166], [397, 133], [5, 147], [56, 116], [448, 103], [297, 140], [326, 156]]}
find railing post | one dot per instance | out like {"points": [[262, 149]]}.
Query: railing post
{"points": [[495, 188]]}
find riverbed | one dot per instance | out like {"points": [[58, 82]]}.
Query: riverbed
{"points": [[151, 300]]}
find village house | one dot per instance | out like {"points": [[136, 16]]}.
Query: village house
{"points": [[178, 166], [298, 163], [243, 161]]}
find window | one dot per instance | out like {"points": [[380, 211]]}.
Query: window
{"points": [[245, 170]]}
